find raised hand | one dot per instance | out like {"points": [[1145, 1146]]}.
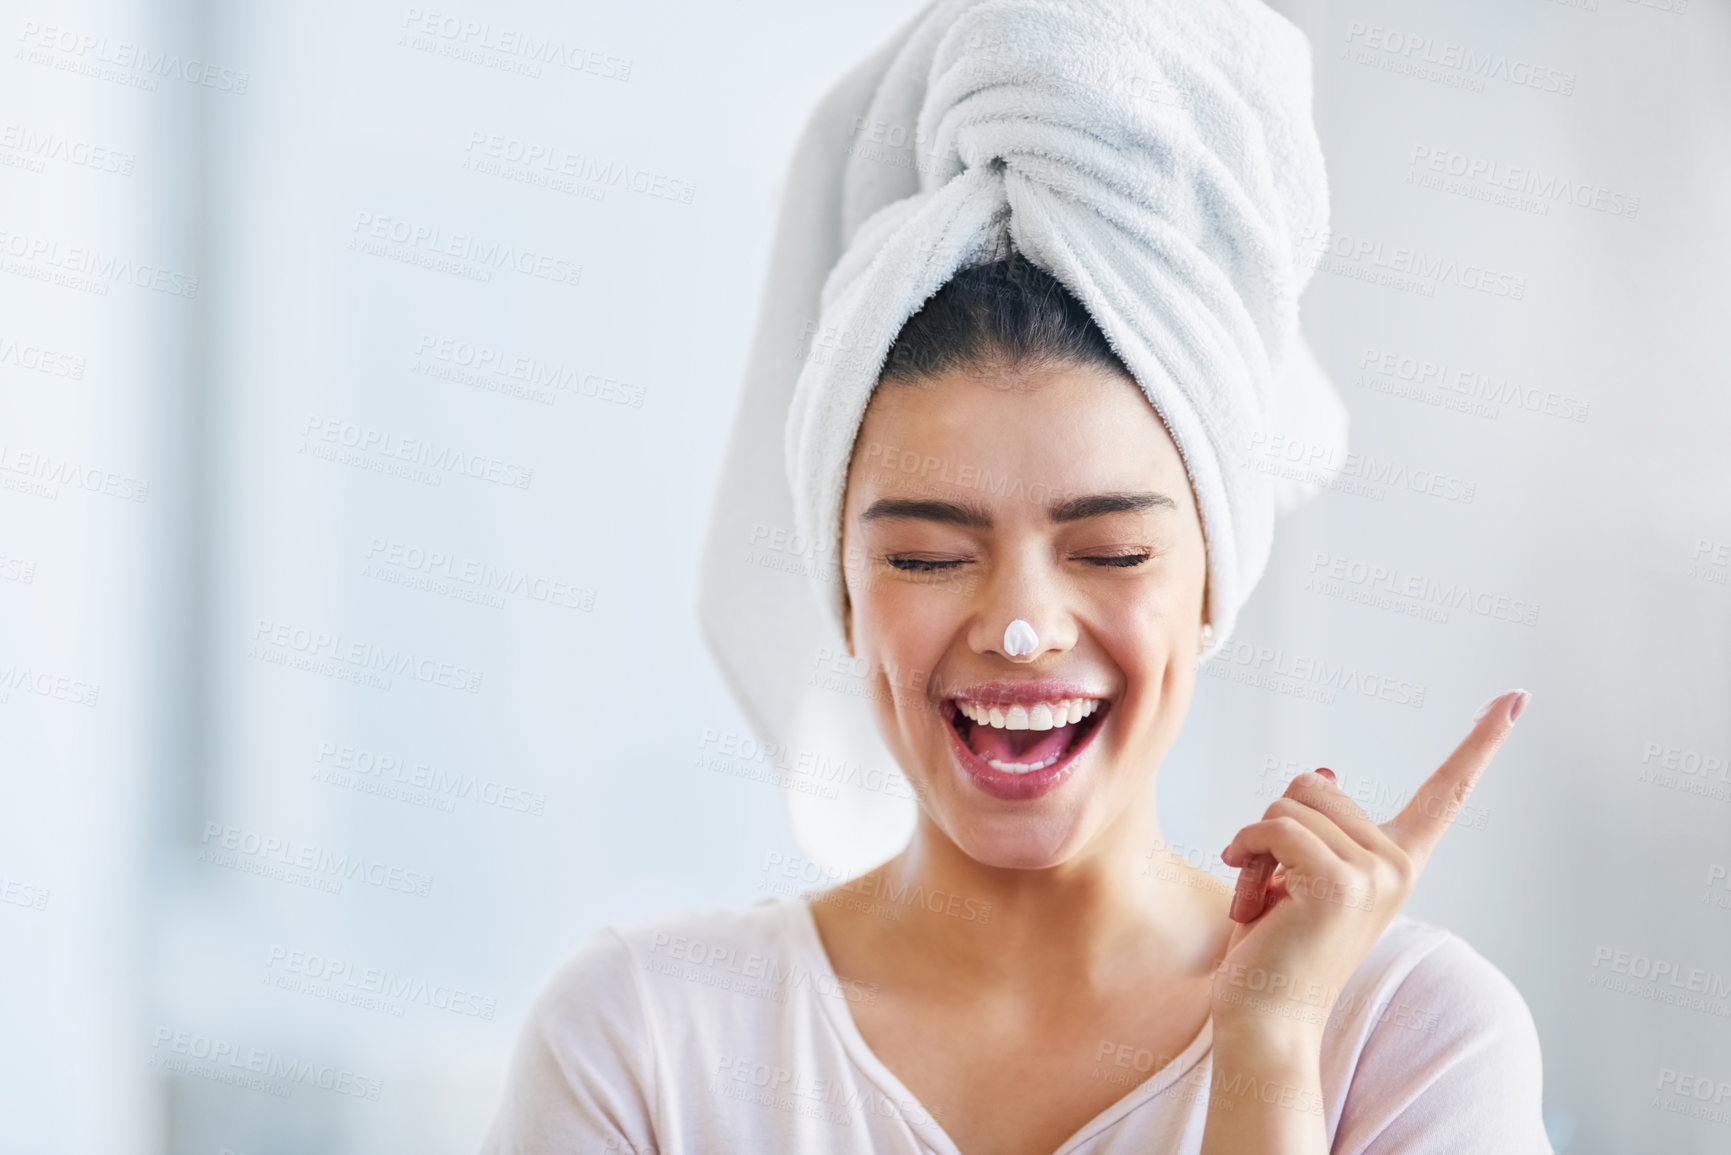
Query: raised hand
{"points": [[1414, 832], [1318, 882]]}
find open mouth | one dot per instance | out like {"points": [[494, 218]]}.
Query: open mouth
{"points": [[1022, 738]]}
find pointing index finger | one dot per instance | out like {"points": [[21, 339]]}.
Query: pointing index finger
{"points": [[1425, 819]]}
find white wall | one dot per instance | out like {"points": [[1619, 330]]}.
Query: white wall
{"points": [[1598, 522], [593, 715]]}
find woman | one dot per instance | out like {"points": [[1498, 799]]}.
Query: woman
{"points": [[1023, 977]]}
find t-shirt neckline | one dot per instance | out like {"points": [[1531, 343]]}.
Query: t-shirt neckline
{"points": [[810, 943]]}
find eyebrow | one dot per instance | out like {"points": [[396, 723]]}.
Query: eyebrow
{"points": [[976, 517]]}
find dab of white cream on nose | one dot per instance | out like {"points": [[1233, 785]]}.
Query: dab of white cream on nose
{"points": [[1019, 639]]}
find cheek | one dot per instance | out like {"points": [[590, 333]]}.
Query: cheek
{"points": [[902, 627], [1143, 627], [898, 604], [1170, 603], [1146, 611]]}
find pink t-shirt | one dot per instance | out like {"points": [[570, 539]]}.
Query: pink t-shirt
{"points": [[727, 1031]]}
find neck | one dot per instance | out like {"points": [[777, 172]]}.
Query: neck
{"points": [[1117, 902]]}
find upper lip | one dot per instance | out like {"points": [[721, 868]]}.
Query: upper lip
{"points": [[1021, 693]]}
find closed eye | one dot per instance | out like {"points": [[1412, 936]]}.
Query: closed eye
{"points": [[920, 564], [926, 565], [1122, 560]]}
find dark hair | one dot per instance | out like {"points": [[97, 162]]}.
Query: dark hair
{"points": [[1004, 310]]}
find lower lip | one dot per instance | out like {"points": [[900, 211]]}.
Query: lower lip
{"points": [[1018, 787]]}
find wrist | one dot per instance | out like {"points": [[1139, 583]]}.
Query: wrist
{"points": [[1265, 1089], [1257, 1041]]}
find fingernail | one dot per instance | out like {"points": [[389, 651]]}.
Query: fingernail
{"points": [[1327, 773], [1519, 705], [1247, 896]]}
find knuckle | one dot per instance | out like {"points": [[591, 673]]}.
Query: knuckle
{"points": [[1342, 805], [1463, 788], [1345, 890], [1332, 803], [1401, 866], [1337, 808]]}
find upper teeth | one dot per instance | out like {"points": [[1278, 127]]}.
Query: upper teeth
{"points": [[1039, 716]]}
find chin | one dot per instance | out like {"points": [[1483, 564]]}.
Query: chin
{"points": [[1019, 843]]}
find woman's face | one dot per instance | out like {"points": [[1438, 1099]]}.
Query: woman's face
{"points": [[1055, 495]]}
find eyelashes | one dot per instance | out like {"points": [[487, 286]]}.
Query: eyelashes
{"points": [[920, 565], [927, 566], [1122, 560]]}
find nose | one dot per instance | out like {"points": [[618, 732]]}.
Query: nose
{"points": [[1028, 593]]}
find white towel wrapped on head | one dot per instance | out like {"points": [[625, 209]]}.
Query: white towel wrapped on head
{"points": [[1156, 156]]}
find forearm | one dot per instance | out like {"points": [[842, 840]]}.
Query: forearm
{"points": [[1265, 1094]]}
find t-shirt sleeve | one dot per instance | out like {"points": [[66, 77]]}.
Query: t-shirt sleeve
{"points": [[1451, 1066], [582, 1078]]}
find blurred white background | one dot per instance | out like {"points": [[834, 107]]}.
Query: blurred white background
{"points": [[365, 371]]}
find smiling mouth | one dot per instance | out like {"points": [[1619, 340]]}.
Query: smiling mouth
{"points": [[1018, 739]]}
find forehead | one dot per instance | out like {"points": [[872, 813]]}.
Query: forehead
{"points": [[1013, 436]]}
